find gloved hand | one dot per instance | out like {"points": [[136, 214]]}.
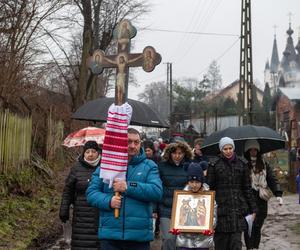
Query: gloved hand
{"points": [[280, 200]]}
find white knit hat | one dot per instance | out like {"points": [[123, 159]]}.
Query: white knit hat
{"points": [[225, 141], [251, 144]]}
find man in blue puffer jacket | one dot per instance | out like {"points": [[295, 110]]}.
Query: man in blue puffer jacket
{"points": [[133, 229]]}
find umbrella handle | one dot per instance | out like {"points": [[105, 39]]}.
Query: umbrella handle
{"points": [[117, 210]]}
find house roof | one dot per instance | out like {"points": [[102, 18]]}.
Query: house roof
{"points": [[222, 92], [291, 93]]}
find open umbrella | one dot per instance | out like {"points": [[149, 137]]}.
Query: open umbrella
{"points": [[142, 114], [80, 137], [268, 139]]}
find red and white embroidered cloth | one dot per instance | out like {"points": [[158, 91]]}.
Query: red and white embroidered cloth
{"points": [[114, 151]]}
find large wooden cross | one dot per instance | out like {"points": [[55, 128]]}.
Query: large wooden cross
{"points": [[148, 59]]}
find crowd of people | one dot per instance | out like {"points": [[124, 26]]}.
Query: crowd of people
{"points": [[242, 186]]}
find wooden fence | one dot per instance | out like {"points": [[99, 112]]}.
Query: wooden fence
{"points": [[15, 141], [55, 135]]}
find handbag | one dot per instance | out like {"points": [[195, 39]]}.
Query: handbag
{"points": [[265, 193]]}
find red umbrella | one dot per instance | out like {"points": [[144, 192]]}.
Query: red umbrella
{"points": [[80, 137]]}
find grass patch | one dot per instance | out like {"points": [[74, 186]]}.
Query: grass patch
{"points": [[29, 203], [24, 218]]}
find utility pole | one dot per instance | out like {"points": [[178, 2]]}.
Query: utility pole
{"points": [[170, 88], [246, 73]]}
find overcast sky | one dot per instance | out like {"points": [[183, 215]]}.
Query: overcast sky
{"points": [[191, 54]]}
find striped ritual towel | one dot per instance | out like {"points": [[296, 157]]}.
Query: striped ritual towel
{"points": [[114, 151]]}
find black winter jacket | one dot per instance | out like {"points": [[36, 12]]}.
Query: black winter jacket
{"points": [[173, 178], [234, 198], [85, 218]]}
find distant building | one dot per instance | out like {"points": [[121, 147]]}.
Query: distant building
{"points": [[231, 91], [284, 73], [212, 123], [284, 81]]}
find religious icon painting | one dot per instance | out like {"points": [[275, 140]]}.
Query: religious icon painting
{"points": [[192, 212], [148, 59]]}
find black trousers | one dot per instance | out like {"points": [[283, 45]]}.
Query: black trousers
{"points": [[124, 245], [254, 240], [228, 241]]}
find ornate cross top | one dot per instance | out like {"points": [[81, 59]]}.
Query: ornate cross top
{"points": [[123, 33]]}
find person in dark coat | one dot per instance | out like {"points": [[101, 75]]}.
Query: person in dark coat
{"points": [[85, 218], [262, 176], [298, 183], [229, 177], [199, 156], [172, 172], [153, 155], [150, 151]]}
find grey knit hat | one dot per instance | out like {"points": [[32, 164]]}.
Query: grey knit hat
{"points": [[251, 144], [225, 141]]}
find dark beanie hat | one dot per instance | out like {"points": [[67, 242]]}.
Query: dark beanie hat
{"points": [[203, 165], [195, 172], [149, 144], [91, 144]]}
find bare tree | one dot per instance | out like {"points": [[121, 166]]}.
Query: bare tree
{"points": [[214, 77], [155, 95], [20, 29]]}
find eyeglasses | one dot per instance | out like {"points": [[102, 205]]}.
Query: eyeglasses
{"points": [[135, 142]]}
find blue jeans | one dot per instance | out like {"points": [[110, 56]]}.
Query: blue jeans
{"points": [[124, 245]]}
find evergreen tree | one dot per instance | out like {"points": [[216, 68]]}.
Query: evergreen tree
{"points": [[266, 103]]}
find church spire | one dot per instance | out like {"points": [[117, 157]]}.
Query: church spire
{"points": [[298, 44], [289, 54], [274, 58], [298, 49]]}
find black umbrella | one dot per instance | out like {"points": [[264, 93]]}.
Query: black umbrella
{"points": [[267, 138], [142, 114]]}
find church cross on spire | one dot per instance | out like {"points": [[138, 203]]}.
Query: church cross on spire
{"points": [[275, 28], [290, 14]]}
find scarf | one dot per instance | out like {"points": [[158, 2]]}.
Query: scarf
{"points": [[258, 179], [93, 163]]}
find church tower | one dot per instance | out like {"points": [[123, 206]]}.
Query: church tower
{"points": [[284, 73], [273, 70], [288, 65]]}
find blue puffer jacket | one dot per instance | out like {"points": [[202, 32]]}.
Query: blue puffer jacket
{"points": [[135, 221]]}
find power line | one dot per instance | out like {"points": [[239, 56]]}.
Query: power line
{"points": [[203, 22], [192, 32], [217, 59], [223, 54]]}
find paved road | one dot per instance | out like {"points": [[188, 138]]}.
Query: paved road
{"points": [[276, 234]]}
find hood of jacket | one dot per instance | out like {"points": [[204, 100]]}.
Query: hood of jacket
{"points": [[186, 149], [138, 158]]}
